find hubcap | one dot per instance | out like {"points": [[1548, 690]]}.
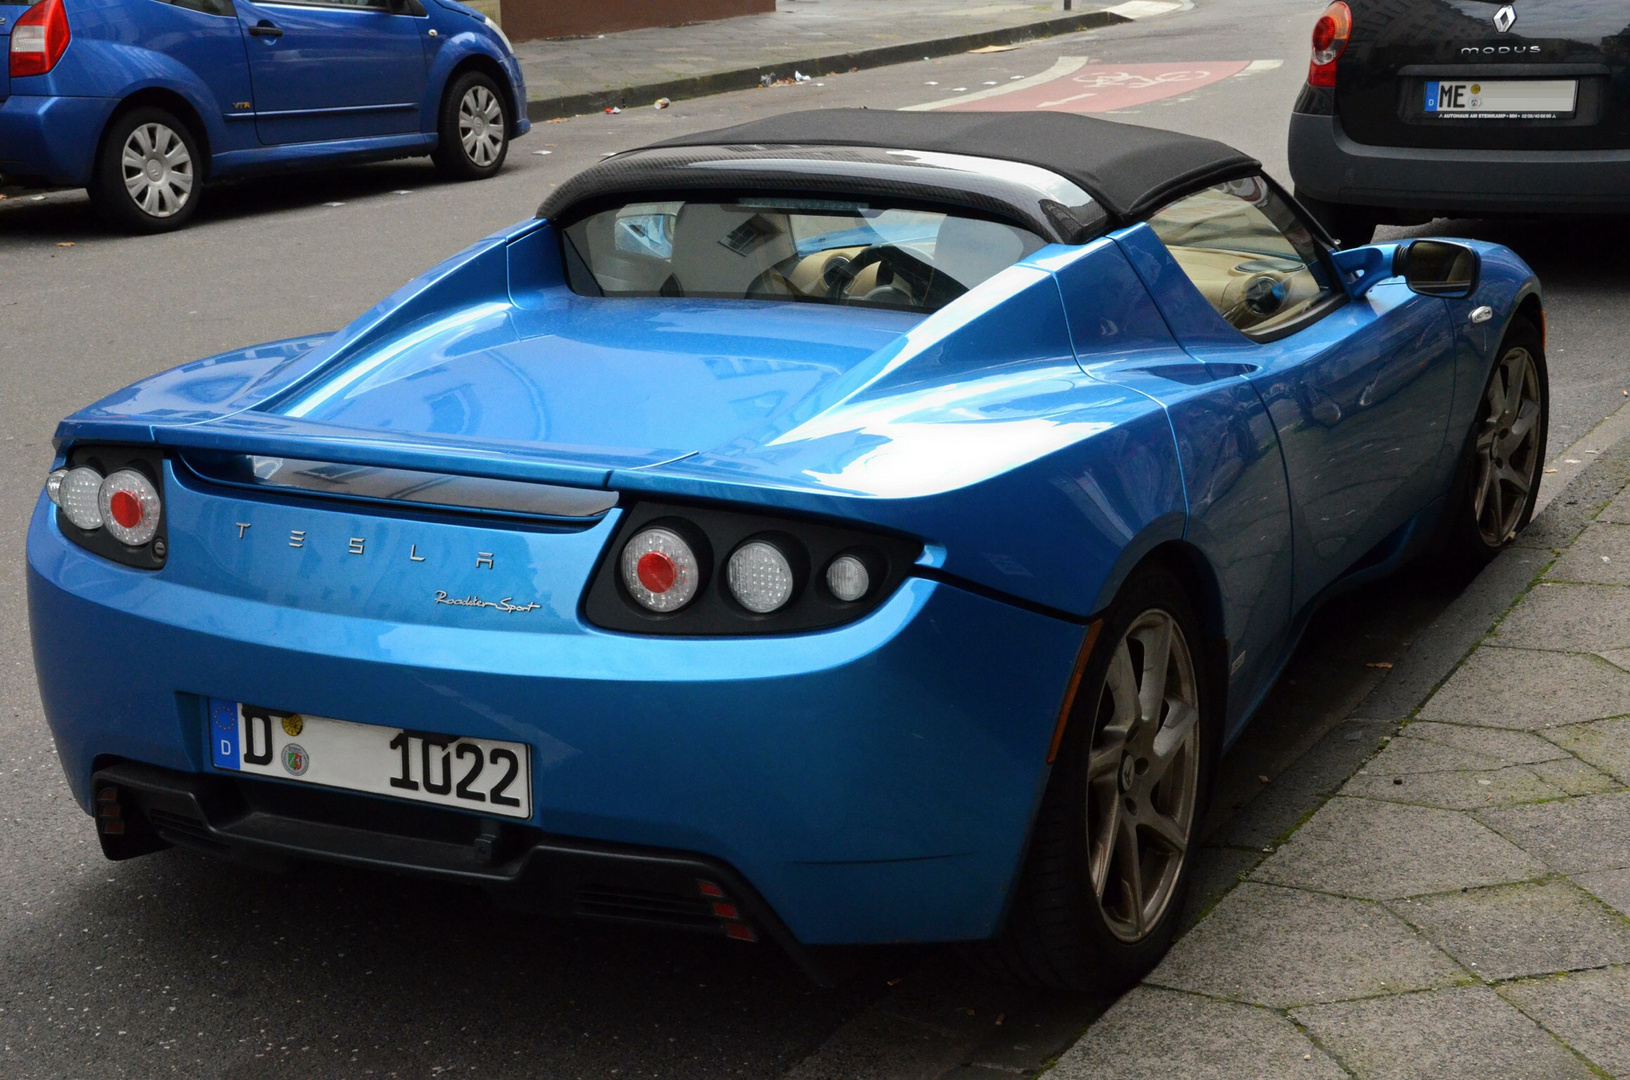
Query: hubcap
{"points": [[481, 125], [1143, 775], [157, 170], [1507, 447]]}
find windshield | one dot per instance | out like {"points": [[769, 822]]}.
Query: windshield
{"points": [[823, 251]]}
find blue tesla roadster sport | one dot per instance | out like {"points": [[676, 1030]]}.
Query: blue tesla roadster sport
{"points": [[850, 527]]}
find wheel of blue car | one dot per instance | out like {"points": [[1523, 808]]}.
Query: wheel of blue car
{"points": [[1107, 870], [474, 128], [1499, 474], [148, 172]]}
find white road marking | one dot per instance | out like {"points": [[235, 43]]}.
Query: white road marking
{"points": [[1066, 65], [1146, 9]]}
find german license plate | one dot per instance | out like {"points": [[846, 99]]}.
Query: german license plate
{"points": [[483, 775], [1501, 99]]}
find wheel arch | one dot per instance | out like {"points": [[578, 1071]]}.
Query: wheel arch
{"points": [[475, 60], [159, 97], [1189, 565]]}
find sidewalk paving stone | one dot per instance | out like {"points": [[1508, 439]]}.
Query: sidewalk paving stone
{"points": [[1461, 790], [1265, 945], [1575, 777], [1590, 832], [1589, 1010], [1467, 1033], [1618, 510], [1384, 851], [1603, 743], [1527, 690], [1601, 556], [1569, 618], [1611, 887], [1153, 1034], [1535, 928], [1507, 747]]}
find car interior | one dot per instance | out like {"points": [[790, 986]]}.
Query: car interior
{"points": [[799, 250], [1247, 252]]}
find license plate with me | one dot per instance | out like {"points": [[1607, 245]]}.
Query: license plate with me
{"points": [[484, 775], [1501, 97]]}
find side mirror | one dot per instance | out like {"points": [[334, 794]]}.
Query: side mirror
{"points": [[1437, 268]]}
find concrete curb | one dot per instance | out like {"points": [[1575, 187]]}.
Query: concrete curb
{"points": [[720, 82]]}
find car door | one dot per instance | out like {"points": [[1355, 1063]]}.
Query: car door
{"points": [[1359, 391], [325, 70]]}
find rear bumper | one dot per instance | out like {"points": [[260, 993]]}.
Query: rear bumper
{"points": [[872, 783], [141, 808], [1328, 165], [51, 141]]}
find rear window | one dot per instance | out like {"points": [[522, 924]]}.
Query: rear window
{"points": [[817, 251]]}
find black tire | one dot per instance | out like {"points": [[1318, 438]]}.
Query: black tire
{"points": [[1470, 535], [1351, 226], [159, 196], [472, 144], [1060, 930]]}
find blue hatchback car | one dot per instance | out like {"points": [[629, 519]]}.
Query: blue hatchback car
{"points": [[142, 102]]}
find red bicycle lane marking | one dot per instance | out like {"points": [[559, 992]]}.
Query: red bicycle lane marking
{"points": [[1107, 87]]}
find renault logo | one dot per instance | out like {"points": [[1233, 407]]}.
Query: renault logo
{"points": [[1505, 18]]}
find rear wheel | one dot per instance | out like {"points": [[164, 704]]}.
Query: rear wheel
{"points": [[1499, 474], [1107, 871], [474, 128], [1353, 226], [147, 176]]}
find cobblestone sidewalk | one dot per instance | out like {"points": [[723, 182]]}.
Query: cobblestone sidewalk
{"points": [[815, 36], [1461, 907]]}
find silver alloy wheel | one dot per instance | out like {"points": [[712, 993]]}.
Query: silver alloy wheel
{"points": [[1143, 775], [1507, 447], [481, 125], [157, 170]]}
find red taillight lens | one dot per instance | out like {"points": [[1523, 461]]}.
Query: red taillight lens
{"points": [[660, 571], [130, 507], [39, 38], [1330, 36]]}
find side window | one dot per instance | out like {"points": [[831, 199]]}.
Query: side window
{"points": [[208, 7], [1247, 252]]}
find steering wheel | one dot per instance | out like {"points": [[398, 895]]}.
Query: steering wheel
{"points": [[892, 263]]}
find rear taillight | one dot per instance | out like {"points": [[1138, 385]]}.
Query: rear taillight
{"points": [[110, 500], [660, 570], [700, 571], [1330, 36], [39, 38]]}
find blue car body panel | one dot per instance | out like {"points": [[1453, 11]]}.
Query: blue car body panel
{"points": [[342, 84], [1039, 436]]}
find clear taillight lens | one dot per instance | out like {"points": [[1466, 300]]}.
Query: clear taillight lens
{"points": [[1330, 36], [130, 507], [79, 496], [760, 577], [660, 570], [848, 579]]}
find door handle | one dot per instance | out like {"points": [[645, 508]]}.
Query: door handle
{"points": [[266, 30]]}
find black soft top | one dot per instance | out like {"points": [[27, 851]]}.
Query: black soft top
{"points": [[1128, 170]]}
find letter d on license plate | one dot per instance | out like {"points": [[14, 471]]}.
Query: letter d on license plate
{"points": [[486, 776]]}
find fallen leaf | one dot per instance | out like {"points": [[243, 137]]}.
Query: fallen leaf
{"points": [[1264, 779]]}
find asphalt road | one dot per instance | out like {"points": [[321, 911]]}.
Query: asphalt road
{"points": [[174, 964]]}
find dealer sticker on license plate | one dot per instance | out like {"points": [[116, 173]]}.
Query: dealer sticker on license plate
{"points": [[483, 775], [1502, 99]]}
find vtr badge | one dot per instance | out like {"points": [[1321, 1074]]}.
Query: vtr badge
{"points": [[1505, 18]]}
